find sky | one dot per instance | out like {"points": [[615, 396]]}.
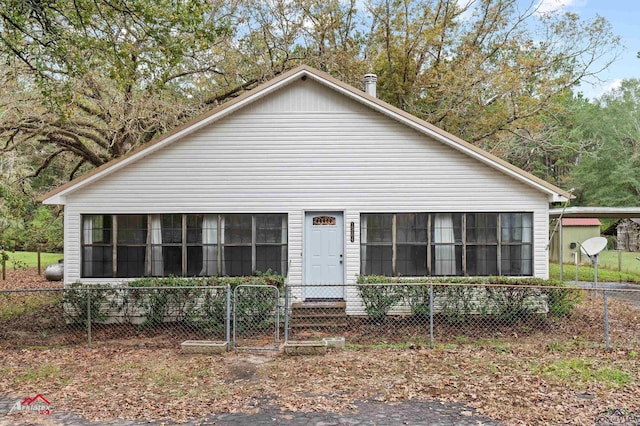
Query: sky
{"points": [[624, 17]]}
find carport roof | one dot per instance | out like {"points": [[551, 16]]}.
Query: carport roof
{"points": [[580, 221], [596, 212]]}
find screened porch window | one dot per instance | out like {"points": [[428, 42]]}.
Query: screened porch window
{"points": [[411, 244], [183, 245], [446, 244], [236, 244], [482, 243], [376, 244], [132, 245], [271, 242], [97, 246], [516, 232]]}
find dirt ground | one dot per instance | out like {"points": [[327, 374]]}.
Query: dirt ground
{"points": [[547, 378], [518, 384]]}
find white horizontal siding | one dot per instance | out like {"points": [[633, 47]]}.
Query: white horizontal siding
{"points": [[305, 148]]}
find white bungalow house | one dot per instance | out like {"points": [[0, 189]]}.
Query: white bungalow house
{"points": [[312, 178]]}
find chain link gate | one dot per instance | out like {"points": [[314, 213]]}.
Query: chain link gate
{"points": [[256, 317]]}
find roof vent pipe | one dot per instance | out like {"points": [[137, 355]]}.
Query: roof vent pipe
{"points": [[370, 84]]}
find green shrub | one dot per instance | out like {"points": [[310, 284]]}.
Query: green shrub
{"points": [[510, 305], [212, 314], [513, 302], [200, 307], [562, 301], [458, 302], [378, 298], [80, 298], [255, 308], [417, 297]]}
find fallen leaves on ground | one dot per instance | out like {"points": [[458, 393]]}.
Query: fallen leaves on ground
{"points": [[19, 278], [144, 384], [548, 378]]}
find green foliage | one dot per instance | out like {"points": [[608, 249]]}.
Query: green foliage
{"points": [[13, 207], [417, 297], [166, 304], [586, 273], [458, 303], [23, 225], [80, 299], [189, 301], [266, 278], [608, 174], [211, 315], [562, 302], [202, 307], [44, 230], [584, 371], [510, 305], [87, 81], [502, 299], [377, 297], [254, 308], [28, 259]]}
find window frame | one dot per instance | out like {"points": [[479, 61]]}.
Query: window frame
{"points": [[462, 245], [185, 244], [112, 244]]}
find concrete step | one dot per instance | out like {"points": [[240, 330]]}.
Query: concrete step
{"points": [[319, 305], [318, 314]]}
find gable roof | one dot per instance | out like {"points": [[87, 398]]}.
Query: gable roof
{"points": [[613, 228], [57, 195]]}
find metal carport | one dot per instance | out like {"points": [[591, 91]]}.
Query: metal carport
{"points": [[589, 212]]}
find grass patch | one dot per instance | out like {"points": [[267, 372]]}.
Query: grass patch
{"points": [[564, 346], [392, 345], [406, 345], [629, 263], [164, 377], [29, 259], [44, 371], [582, 370], [585, 273], [131, 366], [16, 304]]}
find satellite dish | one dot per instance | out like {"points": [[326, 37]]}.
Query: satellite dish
{"points": [[593, 246]]}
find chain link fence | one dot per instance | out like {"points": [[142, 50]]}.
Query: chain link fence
{"points": [[93, 315], [260, 317], [428, 314], [256, 317]]}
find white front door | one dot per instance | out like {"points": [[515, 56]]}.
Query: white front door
{"points": [[324, 255]]}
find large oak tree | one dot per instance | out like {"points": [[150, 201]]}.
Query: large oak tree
{"points": [[85, 81]]}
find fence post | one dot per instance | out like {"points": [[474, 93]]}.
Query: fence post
{"points": [[88, 316], [431, 316], [228, 319], [606, 320], [277, 327], [39, 262], [286, 314], [4, 266]]}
